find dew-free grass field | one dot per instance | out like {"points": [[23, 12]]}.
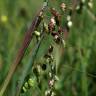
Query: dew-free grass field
{"points": [[77, 65]]}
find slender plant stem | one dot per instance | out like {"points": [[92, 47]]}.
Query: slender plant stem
{"points": [[20, 55]]}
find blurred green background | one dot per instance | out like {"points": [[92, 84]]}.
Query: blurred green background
{"points": [[77, 66]]}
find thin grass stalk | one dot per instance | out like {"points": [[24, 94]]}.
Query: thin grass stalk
{"points": [[20, 55]]}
